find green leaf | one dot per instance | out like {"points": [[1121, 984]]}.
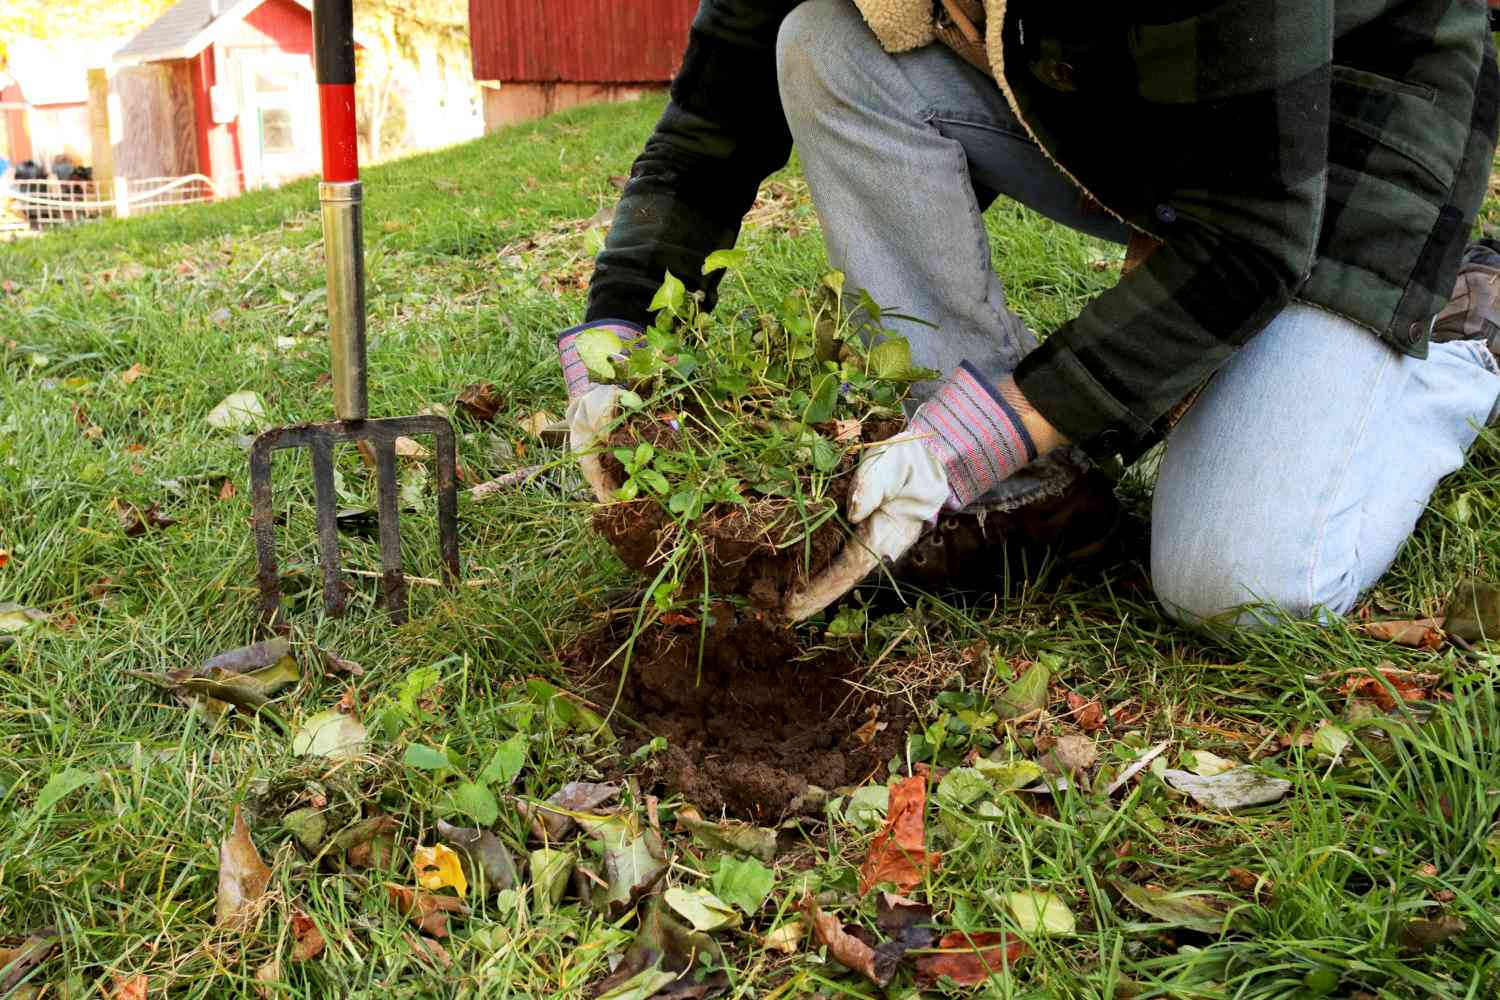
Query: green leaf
{"points": [[848, 623], [656, 481], [1009, 776], [506, 762], [425, 758], [634, 859], [825, 455], [669, 296], [1183, 909], [330, 734], [701, 908], [891, 358], [60, 786], [825, 394], [867, 806], [475, 800], [1330, 740], [731, 259], [963, 786], [743, 882], [1040, 911], [686, 503], [834, 282], [595, 347], [644, 984], [729, 835], [593, 241], [1027, 693], [416, 684], [630, 400], [549, 877], [628, 490]]}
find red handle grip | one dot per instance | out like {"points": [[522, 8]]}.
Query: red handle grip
{"points": [[333, 55]]}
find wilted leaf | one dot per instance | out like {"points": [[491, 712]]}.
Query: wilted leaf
{"points": [[969, 959], [488, 863], [1087, 715], [846, 949], [1182, 909], [666, 943], [430, 951], [307, 940], [847, 430], [1229, 790], [17, 963], [240, 411], [135, 521], [898, 854], [129, 375], [963, 786], [438, 867], [1007, 776], [786, 938], [1421, 633], [406, 447], [330, 734], [1330, 740], [1207, 764], [634, 859], [243, 876], [743, 882], [1025, 694], [425, 911], [481, 400], [701, 908], [729, 835], [309, 825], [1040, 911], [644, 984], [906, 923], [537, 422], [550, 870], [1424, 935], [574, 797], [338, 664], [15, 618], [1408, 685], [249, 658], [1473, 612], [1072, 754]]}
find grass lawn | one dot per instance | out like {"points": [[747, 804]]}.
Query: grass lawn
{"points": [[1378, 874]]}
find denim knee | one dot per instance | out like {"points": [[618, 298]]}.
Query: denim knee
{"points": [[806, 46], [1227, 587]]}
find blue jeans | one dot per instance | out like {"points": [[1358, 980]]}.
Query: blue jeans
{"points": [[1293, 480]]}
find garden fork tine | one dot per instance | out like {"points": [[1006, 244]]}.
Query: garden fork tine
{"points": [[340, 197]]}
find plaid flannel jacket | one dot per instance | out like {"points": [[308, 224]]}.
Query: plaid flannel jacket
{"points": [[1334, 153]]}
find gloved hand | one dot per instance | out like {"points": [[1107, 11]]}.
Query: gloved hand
{"points": [[959, 445], [591, 407]]}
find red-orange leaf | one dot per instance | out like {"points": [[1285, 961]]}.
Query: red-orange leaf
{"points": [[1089, 715], [969, 959], [899, 854]]}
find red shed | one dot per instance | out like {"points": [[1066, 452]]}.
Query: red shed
{"points": [[242, 69], [535, 58]]}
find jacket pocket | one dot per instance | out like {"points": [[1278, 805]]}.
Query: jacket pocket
{"points": [[1376, 81], [1399, 116]]}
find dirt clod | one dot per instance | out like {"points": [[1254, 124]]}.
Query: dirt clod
{"points": [[758, 727]]}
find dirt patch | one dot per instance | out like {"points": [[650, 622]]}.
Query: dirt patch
{"points": [[760, 729]]}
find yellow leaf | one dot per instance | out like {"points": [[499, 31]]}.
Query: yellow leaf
{"points": [[243, 876], [438, 866]]}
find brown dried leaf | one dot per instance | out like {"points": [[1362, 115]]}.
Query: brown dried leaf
{"points": [[847, 430], [243, 876], [1408, 684], [129, 375], [133, 988], [228, 490], [337, 664], [430, 951], [974, 958], [427, 912], [1420, 633], [136, 522], [1424, 935], [308, 941], [407, 448], [846, 949], [1087, 714], [480, 400], [898, 854]]}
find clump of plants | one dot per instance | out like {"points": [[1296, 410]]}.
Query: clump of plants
{"points": [[739, 430]]}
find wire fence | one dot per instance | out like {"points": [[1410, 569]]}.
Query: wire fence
{"points": [[34, 206]]}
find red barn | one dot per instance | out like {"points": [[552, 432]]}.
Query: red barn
{"points": [[535, 58], [240, 75]]}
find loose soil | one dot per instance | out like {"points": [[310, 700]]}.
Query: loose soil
{"points": [[763, 731]]}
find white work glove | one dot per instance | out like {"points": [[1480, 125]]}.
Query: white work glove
{"points": [[898, 489], [589, 417]]}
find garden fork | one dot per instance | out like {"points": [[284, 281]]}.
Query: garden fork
{"points": [[340, 198]]}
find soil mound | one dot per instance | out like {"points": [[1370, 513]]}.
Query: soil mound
{"points": [[760, 728]]}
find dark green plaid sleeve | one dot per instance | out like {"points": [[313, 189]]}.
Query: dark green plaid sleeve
{"points": [[723, 132], [1238, 207]]}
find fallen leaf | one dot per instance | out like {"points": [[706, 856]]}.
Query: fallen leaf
{"points": [[243, 876], [1026, 694], [846, 949], [1330, 740], [307, 940], [701, 908], [481, 400], [338, 664], [537, 422], [644, 984], [728, 835], [308, 825], [405, 447], [969, 959], [488, 864], [575, 796], [240, 411], [1421, 633], [906, 923], [666, 943], [785, 938], [251, 657], [16, 963], [129, 375], [847, 430], [1473, 612], [1424, 935], [1072, 754], [438, 867], [15, 618], [1035, 911], [743, 882], [1087, 715], [1007, 776], [1229, 790], [131, 988], [898, 854], [330, 734], [634, 859], [4, 557], [1182, 909], [135, 521], [228, 490], [270, 972], [1409, 685], [1208, 764], [429, 951], [424, 910], [550, 870]]}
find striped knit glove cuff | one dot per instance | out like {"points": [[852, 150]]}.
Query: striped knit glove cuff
{"points": [[575, 373], [977, 436]]}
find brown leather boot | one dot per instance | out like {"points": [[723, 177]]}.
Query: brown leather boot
{"points": [[967, 551]]}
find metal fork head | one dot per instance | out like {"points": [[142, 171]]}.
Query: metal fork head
{"points": [[321, 439]]}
